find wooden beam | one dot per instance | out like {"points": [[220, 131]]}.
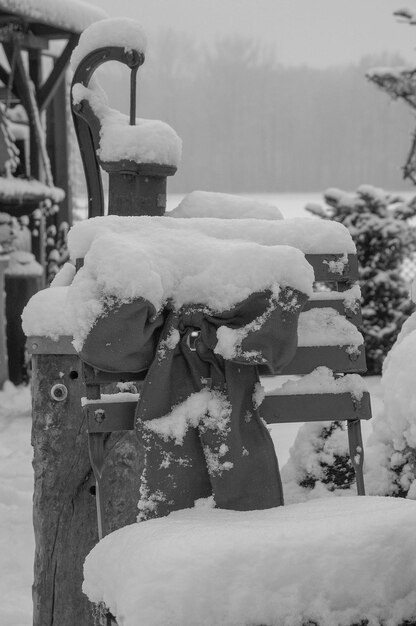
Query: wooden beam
{"points": [[35, 75], [319, 407], [4, 371], [20, 84], [48, 89], [308, 358], [4, 75], [58, 149]]}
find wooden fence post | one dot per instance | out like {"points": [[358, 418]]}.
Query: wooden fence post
{"points": [[64, 503]]}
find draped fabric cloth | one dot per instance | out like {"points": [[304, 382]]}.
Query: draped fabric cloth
{"points": [[198, 415]]}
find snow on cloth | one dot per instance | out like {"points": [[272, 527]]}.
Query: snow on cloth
{"points": [[225, 206], [122, 32], [306, 234], [72, 15], [148, 141], [332, 561], [126, 258], [160, 263], [196, 416]]}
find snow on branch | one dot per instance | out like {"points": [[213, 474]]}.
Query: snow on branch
{"points": [[406, 15], [398, 82]]}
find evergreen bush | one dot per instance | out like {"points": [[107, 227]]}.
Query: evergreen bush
{"points": [[380, 225]]}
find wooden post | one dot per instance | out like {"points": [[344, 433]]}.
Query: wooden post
{"points": [[4, 371], [64, 504], [57, 146]]}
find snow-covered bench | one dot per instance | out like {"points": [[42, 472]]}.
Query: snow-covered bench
{"points": [[328, 342], [117, 260]]}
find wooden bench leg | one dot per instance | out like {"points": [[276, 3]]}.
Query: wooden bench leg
{"points": [[356, 453]]}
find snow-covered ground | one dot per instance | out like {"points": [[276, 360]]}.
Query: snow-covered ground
{"points": [[16, 488], [16, 484]]}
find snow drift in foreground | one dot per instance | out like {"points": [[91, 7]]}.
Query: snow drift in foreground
{"points": [[333, 561], [391, 452]]}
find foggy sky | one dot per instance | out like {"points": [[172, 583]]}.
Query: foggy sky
{"points": [[315, 32]]}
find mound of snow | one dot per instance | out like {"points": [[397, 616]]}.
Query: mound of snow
{"points": [[331, 561], [122, 32], [310, 236], [224, 206]]}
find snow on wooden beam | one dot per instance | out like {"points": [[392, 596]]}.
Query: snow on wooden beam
{"points": [[71, 16]]}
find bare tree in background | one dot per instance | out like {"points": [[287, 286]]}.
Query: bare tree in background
{"points": [[400, 83]]}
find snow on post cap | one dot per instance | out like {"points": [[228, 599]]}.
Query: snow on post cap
{"points": [[225, 206], [72, 15], [148, 141], [122, 32], [311, 236]]}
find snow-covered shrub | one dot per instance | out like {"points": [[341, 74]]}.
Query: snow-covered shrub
{"points": [[391, 449], [319, 462], [379, 225]]}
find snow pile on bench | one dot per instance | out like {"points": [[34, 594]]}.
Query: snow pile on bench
{"points": [[308, 235], [149, 141], [225, 206], [161, 263], [326, 327], [331, 561], [121, 32], [322, 380]]}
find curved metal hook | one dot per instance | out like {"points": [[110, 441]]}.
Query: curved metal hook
{"points": [[87, 126]]}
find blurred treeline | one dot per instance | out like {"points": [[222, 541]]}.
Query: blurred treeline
{"points": [[250, 124]]}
